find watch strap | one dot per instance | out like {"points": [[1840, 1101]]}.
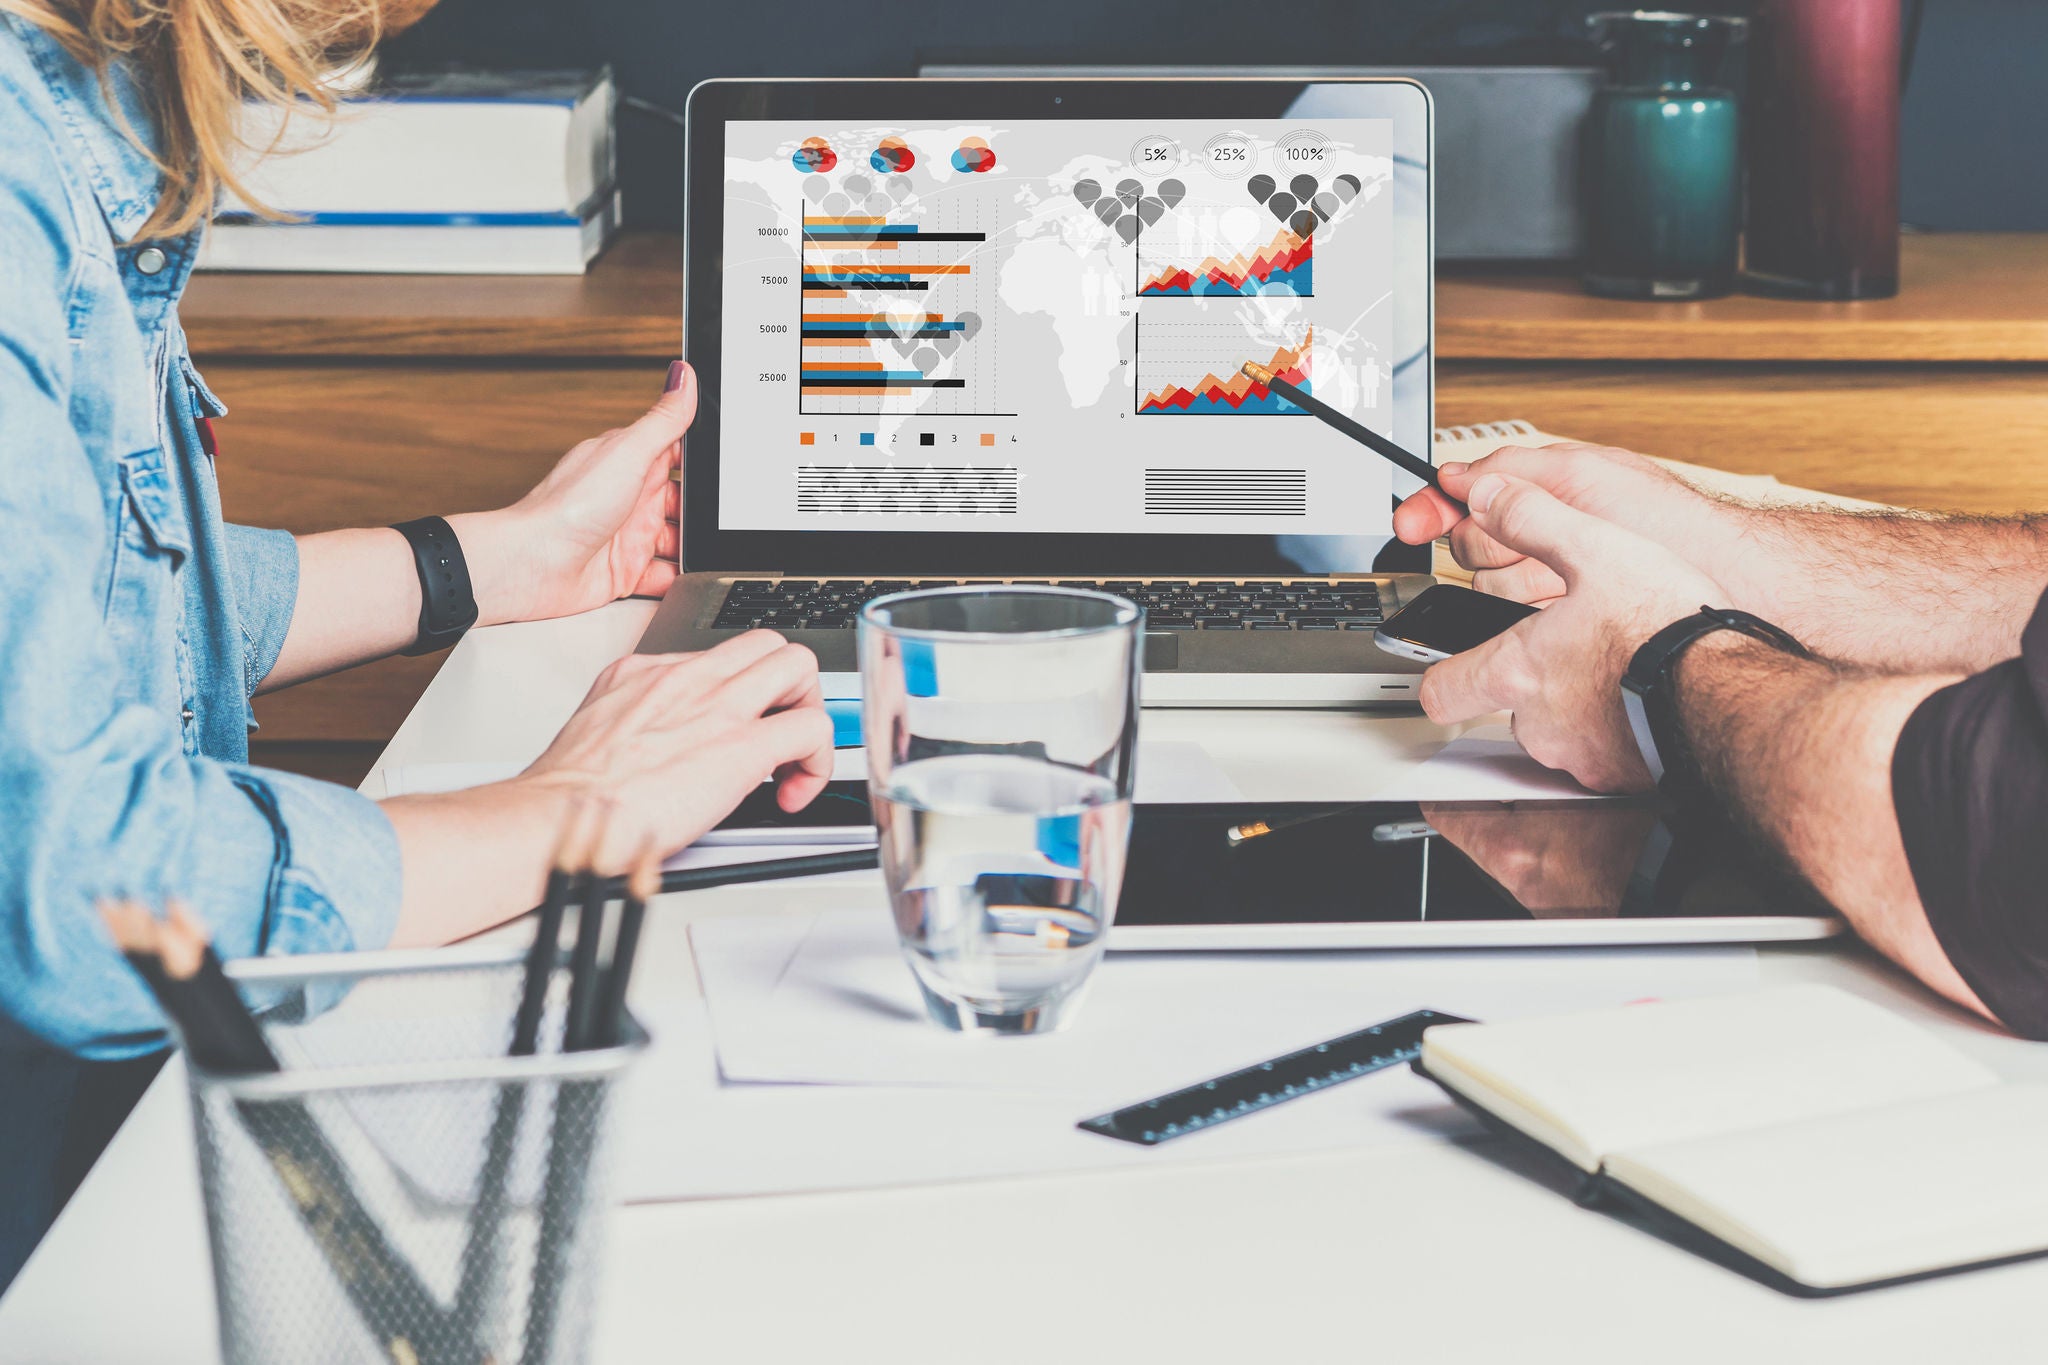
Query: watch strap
{"points": [[1646, 688], [447, 603]]}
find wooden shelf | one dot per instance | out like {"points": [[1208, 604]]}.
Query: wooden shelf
{"points": [[629, 307], [1968, 297], [1964, 297]]}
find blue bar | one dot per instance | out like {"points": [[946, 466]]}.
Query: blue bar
{"points": [[854, 378]]}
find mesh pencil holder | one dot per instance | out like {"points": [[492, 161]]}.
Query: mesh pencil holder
{"points": [[404, 1191]]}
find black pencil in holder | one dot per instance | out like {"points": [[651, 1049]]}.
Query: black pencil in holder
{"points": [[403, 1190]]}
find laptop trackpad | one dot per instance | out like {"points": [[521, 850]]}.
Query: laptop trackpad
{"points": [[1162, 651]]}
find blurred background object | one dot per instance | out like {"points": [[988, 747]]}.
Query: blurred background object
{"points": [[1663, 157], [449, 172], [1971, 113], [1824, 81]]}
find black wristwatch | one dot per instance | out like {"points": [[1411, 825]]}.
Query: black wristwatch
{"points": [[447, 606], [1646, 690]]}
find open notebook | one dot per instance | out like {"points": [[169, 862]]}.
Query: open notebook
{"points": [[1804, 1136]]}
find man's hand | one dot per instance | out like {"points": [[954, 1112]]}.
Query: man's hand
{"points": [[1559, 671], [1613, 484], [600, 526]]}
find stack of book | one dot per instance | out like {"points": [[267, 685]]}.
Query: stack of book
{"points": [[492, 173]]}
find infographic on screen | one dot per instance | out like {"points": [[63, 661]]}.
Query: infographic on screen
{"points": [[1042, 326]]}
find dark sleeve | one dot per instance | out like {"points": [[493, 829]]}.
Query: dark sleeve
{"points": [[1970, 786]]}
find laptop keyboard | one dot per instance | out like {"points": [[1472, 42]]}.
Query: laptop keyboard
{"points": [[1170, 604]]}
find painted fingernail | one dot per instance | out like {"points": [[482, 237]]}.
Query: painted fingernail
{"points": [[676, 371], [1482, 493]]}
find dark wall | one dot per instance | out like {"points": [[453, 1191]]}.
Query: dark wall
{"points": [[1971, 147]]}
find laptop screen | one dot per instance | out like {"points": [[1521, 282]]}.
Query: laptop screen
{"points": [[1039, 325]]}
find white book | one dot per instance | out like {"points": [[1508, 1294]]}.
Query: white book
{"points": [[457, 143], [1820, 1141], [501, 245]]}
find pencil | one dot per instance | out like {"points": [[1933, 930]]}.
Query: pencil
{"points": [[481, 1246], [394, 1304], [1237, 836], [595, 894], [641, 886], [1357, 431]]}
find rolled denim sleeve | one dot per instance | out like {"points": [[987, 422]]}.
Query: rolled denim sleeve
{"points": [[264, 568], [98, 793]]}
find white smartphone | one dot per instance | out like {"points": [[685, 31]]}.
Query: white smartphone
{"points": [[1447, 620]]}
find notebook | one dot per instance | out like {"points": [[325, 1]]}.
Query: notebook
{"points": [[1804, 1136]]}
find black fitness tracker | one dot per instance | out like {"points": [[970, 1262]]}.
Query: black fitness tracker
{"points": [[447, 606], [1646, 690]]}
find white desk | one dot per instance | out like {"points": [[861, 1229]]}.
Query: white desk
{"points": [[1412, 1253]]}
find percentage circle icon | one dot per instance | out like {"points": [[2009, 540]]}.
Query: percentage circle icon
{"points": [[1302, 150], [1157, 154], [1229, 157]]}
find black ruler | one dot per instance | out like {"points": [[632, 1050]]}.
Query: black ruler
{"points": [[1208, 1103]]}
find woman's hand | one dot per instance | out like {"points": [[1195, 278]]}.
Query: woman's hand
{"points": [[678, 739], [600, 526], [673, 741]]}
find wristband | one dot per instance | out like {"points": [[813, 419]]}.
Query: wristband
{"points": [[447, 606], [1646, 691]]}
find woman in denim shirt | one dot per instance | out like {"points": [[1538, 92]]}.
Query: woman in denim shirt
{"points": [[135, 625]]}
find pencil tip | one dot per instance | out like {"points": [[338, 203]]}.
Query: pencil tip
{"points": [[1257, 372]]}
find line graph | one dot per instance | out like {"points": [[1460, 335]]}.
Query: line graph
{"points": [[1195, 369]]}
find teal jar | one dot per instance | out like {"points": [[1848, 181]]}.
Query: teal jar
{"points": [[1663, 158]]}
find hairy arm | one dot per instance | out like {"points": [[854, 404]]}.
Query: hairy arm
{"points": [[1893, 590], [1803, 750]]}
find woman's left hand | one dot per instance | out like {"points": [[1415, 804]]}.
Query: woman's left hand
{"points": [[600, 526]]}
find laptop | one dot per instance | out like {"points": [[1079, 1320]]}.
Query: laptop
{"points": [[992, 331]]}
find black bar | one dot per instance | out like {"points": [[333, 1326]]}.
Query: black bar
{"points": [[854, 381], [914, 285], [885, 235]]}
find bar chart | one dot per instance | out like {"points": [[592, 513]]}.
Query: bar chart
{"points": [[889, 314]]}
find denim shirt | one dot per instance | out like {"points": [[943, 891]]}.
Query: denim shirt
{"points": [[134, 624]]}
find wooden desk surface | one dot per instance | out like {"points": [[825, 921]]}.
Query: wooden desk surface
{"points": [[1967, 297]]}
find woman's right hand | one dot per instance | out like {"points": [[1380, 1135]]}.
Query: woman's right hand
{"points": [[676, 740]]}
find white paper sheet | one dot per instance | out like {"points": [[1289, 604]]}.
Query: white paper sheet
{"points": [[833, 1003], [1482, 764], [689, 1134]]}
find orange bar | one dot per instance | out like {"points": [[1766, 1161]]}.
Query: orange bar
{"points": [[837, 341], [810, 294], [844, 365], [832, 392], [887, 268], [856, 218], [863, 317]]}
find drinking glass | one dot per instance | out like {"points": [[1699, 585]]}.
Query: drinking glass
{"points": [[1001, 727]]}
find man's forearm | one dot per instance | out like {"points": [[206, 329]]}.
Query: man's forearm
{"points": [[1801, 751], [1890, 590]]}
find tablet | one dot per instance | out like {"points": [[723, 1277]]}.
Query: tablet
{"points": [[1447, 874]]}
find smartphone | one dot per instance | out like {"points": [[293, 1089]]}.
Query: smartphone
{"points": [[1447, 620]]}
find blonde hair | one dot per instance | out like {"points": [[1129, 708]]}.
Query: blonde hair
{"points": [[198, 62]]}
